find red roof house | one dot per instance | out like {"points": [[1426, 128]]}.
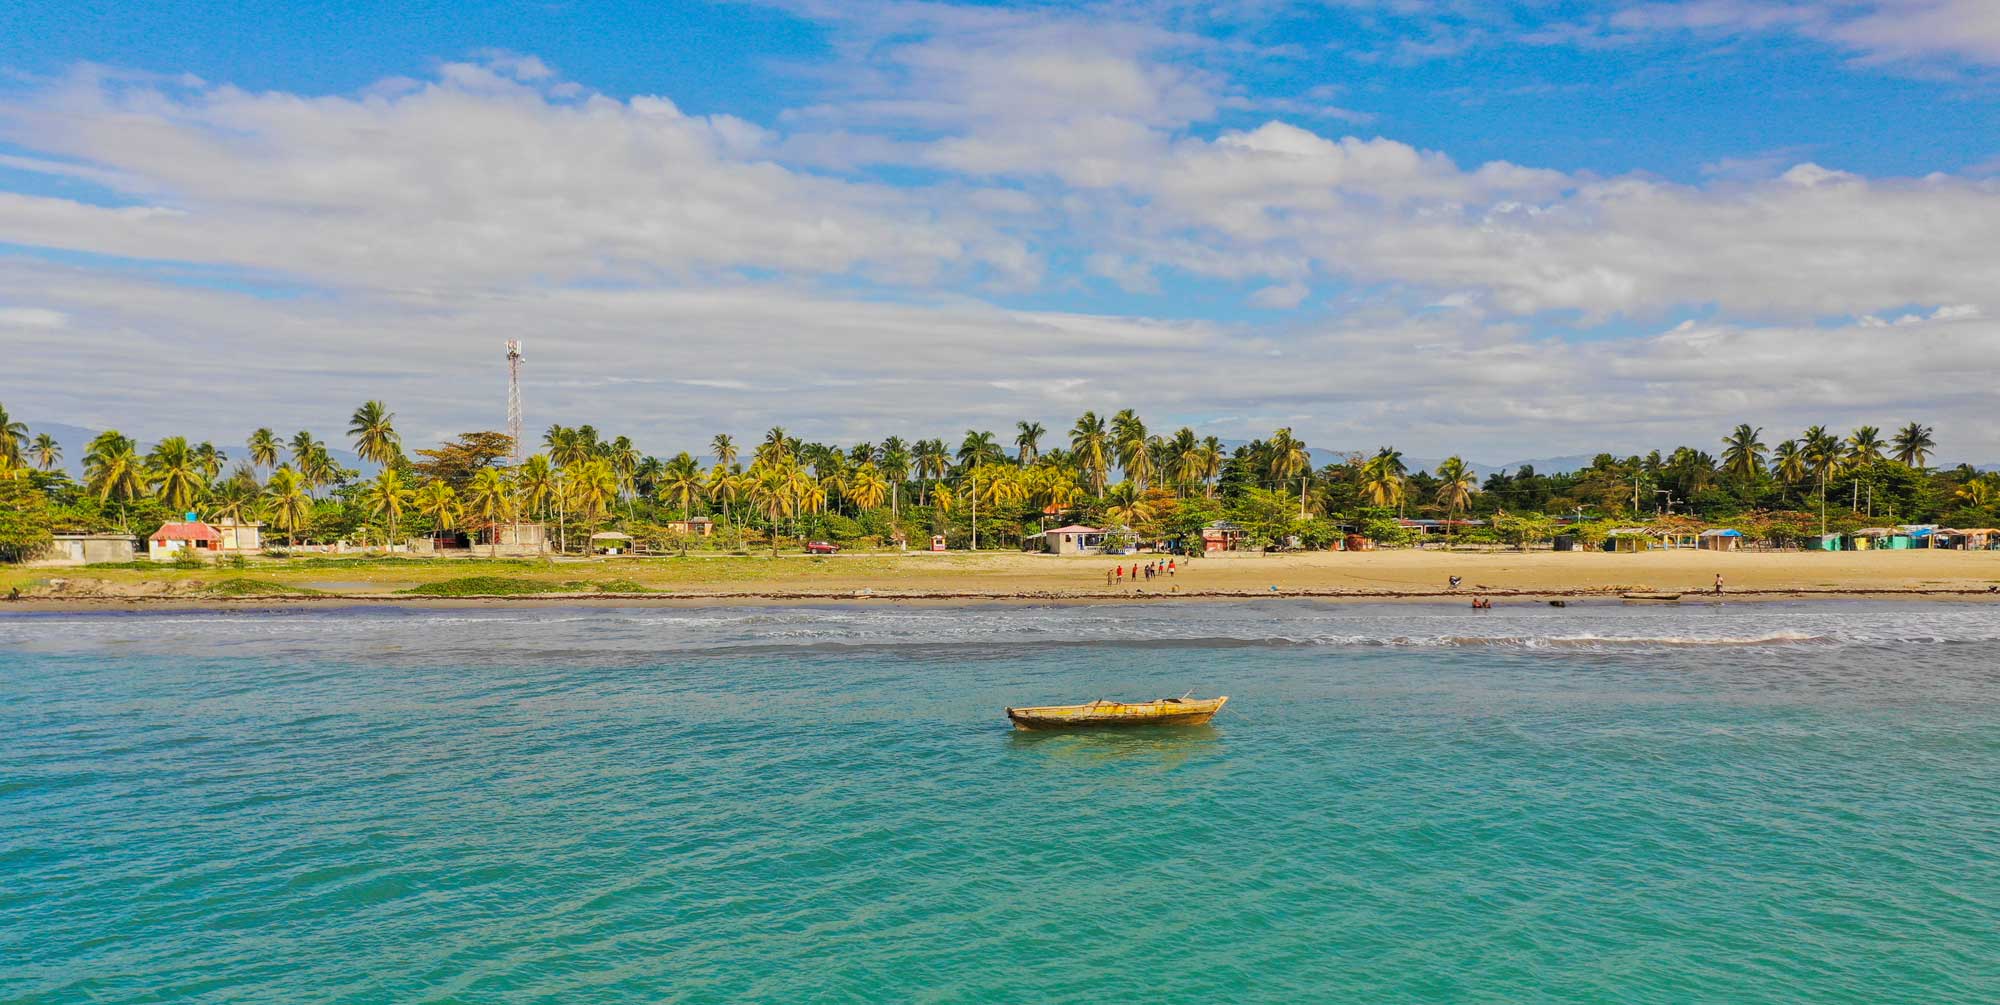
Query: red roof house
{"points": [[175, 537]]}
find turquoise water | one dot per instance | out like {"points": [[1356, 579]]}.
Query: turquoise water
{"points": [[1401, 803]]}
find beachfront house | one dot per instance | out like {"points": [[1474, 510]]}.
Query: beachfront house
{"points": [[1075, 539], [694, 526], [1720, 539], [188, 536], [1223, 535]]}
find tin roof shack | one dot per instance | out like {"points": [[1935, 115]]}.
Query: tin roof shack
{"points": [[186, 537], [694, 526], [1880, 539], [1628, 540], [1960, 538], [1721, 539], [610, 542], [1075, 539]]}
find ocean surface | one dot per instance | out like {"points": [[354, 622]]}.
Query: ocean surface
{"points": [[1410, 802]]}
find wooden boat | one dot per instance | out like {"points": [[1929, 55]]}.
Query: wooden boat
{"points": [[1181, 711], [1650, 596]]}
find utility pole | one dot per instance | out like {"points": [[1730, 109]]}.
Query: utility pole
{"points": [[514, 432]]}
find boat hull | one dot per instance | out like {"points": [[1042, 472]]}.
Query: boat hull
{"points": [[1117, 715]]}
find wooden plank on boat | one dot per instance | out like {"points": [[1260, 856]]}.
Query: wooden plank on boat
{"points": [[1651, 596]]}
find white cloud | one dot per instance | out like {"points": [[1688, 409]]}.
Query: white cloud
{"points": [[1283, 297], [475, 178], [32, 317]]}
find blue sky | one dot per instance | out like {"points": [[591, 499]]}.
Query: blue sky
{"points": [[1504, 229]]}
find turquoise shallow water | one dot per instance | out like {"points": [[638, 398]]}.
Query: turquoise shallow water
{"points": [[1401, 803]]}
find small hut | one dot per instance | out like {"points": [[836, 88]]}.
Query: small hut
{"points": [[1628, 540], [610, 542], [1720, 539]]}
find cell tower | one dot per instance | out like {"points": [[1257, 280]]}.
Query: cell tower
{"points": [[514, 396]]}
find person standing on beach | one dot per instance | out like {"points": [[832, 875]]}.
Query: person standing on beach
{"points": [[1718, 583]]}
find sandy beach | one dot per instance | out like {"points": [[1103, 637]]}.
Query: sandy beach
{"points": [[1009, 576]]}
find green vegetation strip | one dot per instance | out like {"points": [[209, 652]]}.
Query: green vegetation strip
{"points": [[241, 587], [492, 586]]}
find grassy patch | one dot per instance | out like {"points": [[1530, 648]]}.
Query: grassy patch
{"points": [[621, 586], [244, 587], [488, 586]]}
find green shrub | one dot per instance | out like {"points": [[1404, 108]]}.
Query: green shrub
{"points": [[480, 586], [242, 587], [187, 558]]}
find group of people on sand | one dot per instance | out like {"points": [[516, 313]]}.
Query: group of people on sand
{"points": [[1161, 567]]}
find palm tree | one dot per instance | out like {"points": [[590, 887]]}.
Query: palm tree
{"points": [[373, 427], [867, 487], [624, 458], [387, 497], [680, 483], [1789, 462], [47, 452], [113, 470], [319, 467], [174, 473], [1913, 444], [723, 446], [210, 460], [1822, 450], [301, 447], [1211, 464], [895, 464], [594, 491], [1126, 504], [1289, 457], [932, 464], [439, 501], [264, 448], [535, 484], [1133, 447], [490, 500], [1381, 482], [724, 486], [1456, 485], [978, 448], [975, 450], [1865, 445], [13, 435], [287, 504], [1743, 452], [1027, 441], [770, 489], [777, 446], [1092, 449]]}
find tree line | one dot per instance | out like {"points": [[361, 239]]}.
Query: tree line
{"points": [[1107, 471]]}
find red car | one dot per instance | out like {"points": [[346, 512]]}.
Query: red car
{"points": [[822, 548]]}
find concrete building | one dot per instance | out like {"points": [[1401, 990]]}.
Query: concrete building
{"points": [[1075, 539], [90, 549], [697, 526], [1222, 535], [245, 538], [526, 539]]}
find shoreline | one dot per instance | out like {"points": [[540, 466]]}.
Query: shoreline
{"points": [[323, 601]]}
